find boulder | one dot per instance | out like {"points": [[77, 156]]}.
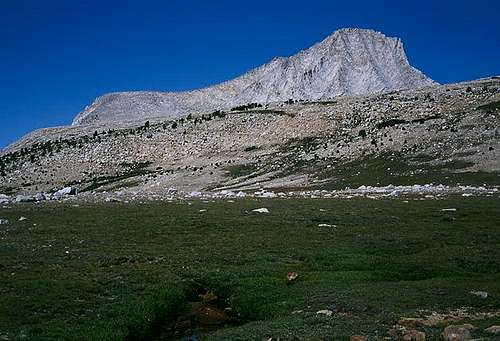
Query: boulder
{"points": [[459, 332], [414, 335], [261, 210], [393, 333], [493, 330], [24, 198], [326, 312], [482, 294], [357, 338], [40, 197], [268, 195], [64, 191], [292, 276], [4, 199]]}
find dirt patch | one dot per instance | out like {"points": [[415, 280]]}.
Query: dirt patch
{"points": [[205, 313]]}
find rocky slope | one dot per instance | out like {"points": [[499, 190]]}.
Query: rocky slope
{"points": [[348, 62], [438, 134]]}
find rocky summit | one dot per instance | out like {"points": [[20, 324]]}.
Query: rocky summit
{"points": [[348, 62]]}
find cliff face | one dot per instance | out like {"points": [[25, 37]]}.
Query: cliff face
{"points": [[348, 62]]}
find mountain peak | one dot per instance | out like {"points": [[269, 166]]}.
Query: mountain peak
{"points": [[356, 30], [350, 61], [352, 32]]}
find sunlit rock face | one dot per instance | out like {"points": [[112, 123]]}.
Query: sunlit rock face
{"points": [[348, 62]]}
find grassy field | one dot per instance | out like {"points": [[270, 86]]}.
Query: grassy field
{"points": [[389, 169], [126, 271]]}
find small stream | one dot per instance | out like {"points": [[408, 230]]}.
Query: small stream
{"points": [[203, 315]]}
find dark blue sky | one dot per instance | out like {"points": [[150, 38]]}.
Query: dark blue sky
{"points": [[57, 56]]}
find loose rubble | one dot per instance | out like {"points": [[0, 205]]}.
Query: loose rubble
{"points": [[428, 191], [295, 147]]}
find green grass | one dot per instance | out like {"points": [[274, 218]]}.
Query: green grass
{"points": [[319, 102], [490, 107], [122, 271], [7, 190], [379, 170], [236, 171], [306, 144], [251, 148], [131, 171], [395, 169]]}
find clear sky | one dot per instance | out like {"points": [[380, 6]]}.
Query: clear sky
{"points": [[56, 56]]}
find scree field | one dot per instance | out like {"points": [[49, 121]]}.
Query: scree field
{"points": [[218, 270]]}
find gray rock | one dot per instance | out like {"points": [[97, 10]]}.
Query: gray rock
{"points": [[241, 194], [482, 294], [40, 197], [348, 62], [325, 312], [24, 198], [195, 194], [111, 199], [64, 191], [458, 332], [493, 330]]}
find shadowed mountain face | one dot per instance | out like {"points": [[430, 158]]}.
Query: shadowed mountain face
{"points": [[348, 62]]}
